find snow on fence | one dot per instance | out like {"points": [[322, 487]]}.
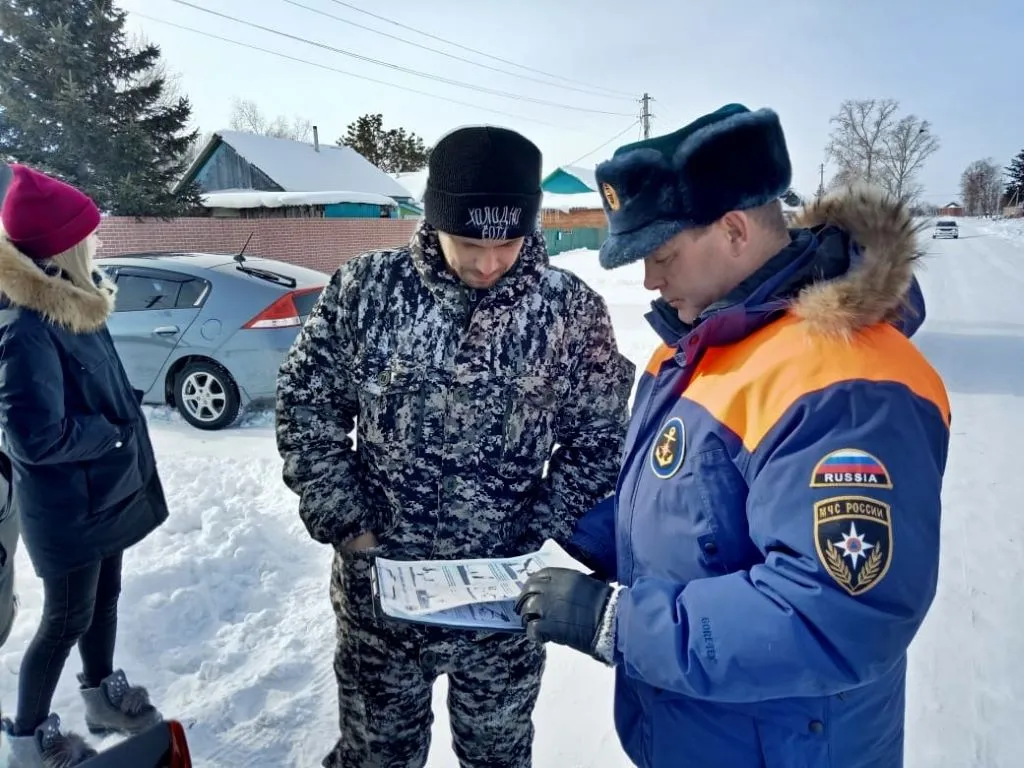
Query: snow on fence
{"points": [[320, 244]]}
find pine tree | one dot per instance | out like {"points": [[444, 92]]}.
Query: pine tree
{"points": [[1015, 174], [81, 104], [393, 150]]}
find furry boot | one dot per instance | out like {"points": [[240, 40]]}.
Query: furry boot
{"points": [[116, 707], [47, 747]]}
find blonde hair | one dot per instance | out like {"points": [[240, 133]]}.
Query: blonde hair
{"points": [[78, 266]]}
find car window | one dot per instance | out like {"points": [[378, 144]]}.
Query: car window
{"points": [[135, 293], [192, 292]]}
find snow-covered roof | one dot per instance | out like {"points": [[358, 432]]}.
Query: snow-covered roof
{"points": [[299, 167], [586, 175], [570, 180], [256, 199], [413, 181], [416, 183], [556, 202]]}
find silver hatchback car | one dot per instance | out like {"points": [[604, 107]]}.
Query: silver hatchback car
{"points": [[946, 228], [206, 333]]}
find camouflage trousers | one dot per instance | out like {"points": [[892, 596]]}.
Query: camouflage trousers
{"points": [[385, 673]]}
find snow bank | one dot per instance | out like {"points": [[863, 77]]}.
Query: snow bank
{"points": [[157, 415], [224, 609], [414, 181], [1010, 229]]}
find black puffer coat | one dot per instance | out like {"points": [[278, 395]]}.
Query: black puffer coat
{"points": [[84, 474]]}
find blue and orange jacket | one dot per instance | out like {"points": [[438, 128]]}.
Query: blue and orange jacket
{"points": [[775, 526]]}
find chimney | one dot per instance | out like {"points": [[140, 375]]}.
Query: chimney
{"points": [[316, 139]]}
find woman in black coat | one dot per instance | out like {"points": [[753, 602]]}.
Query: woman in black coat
{"points": [[83, 473]]}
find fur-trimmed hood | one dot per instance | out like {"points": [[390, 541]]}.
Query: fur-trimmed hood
{"points": [[876, 286], [25, 284]]}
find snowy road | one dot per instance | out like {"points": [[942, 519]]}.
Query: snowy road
{"points": [[966, 697], [225, 612]]}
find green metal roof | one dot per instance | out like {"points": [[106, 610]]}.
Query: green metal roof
{"points": [[563, 182]]}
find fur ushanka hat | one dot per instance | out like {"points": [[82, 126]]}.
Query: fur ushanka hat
{"points": [[732, 159]]}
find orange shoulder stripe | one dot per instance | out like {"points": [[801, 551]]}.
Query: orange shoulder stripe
{"points": [[748, 386], [661, 354]]}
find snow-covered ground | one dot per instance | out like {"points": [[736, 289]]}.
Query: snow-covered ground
{"points": [[1010, 229], [225, 612]]}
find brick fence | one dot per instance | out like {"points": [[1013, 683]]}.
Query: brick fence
{"points": [[576, 218], [320, 244]]}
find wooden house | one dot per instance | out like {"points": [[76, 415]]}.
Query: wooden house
{"points": [[249, 175]]}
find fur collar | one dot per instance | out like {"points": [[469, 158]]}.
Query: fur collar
{"points": [[26, 284], [875, 287]]}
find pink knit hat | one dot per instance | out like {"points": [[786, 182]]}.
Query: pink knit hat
{"points": [[44, 217]]}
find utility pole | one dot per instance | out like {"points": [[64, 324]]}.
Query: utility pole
{"points": [[645, 115], [821, 183]]}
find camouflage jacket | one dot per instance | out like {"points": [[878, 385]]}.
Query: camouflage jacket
{"points": [[459, 399]]}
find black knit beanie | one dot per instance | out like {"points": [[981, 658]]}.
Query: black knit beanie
{"points": [[483, 183]]}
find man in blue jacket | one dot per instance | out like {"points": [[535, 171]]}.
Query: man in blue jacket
{"points": [[774, 534]]}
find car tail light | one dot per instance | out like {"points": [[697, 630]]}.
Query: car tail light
{"points": [[281, 314]]}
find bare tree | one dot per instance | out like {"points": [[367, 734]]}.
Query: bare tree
{"points": [[842, 178], [924, 209], [167, 82], [871, 143], [905, 148], [172, 91], [247, 116], [982, 188], [857, 142]]}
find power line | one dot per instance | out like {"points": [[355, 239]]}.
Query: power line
{"points": [[407, 70], [621, 133], [473, 50], [587, 91], [341, 71]]}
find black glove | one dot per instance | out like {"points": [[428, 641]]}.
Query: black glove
{"points": [[564, 606], [584, 558]]}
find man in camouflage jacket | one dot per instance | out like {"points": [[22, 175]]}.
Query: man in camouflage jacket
{"points": [[467, 364]]}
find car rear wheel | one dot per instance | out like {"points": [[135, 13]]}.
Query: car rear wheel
{"points": [[206, 395]]}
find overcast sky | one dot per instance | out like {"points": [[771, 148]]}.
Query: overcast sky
{"points": [[959, 65]]}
